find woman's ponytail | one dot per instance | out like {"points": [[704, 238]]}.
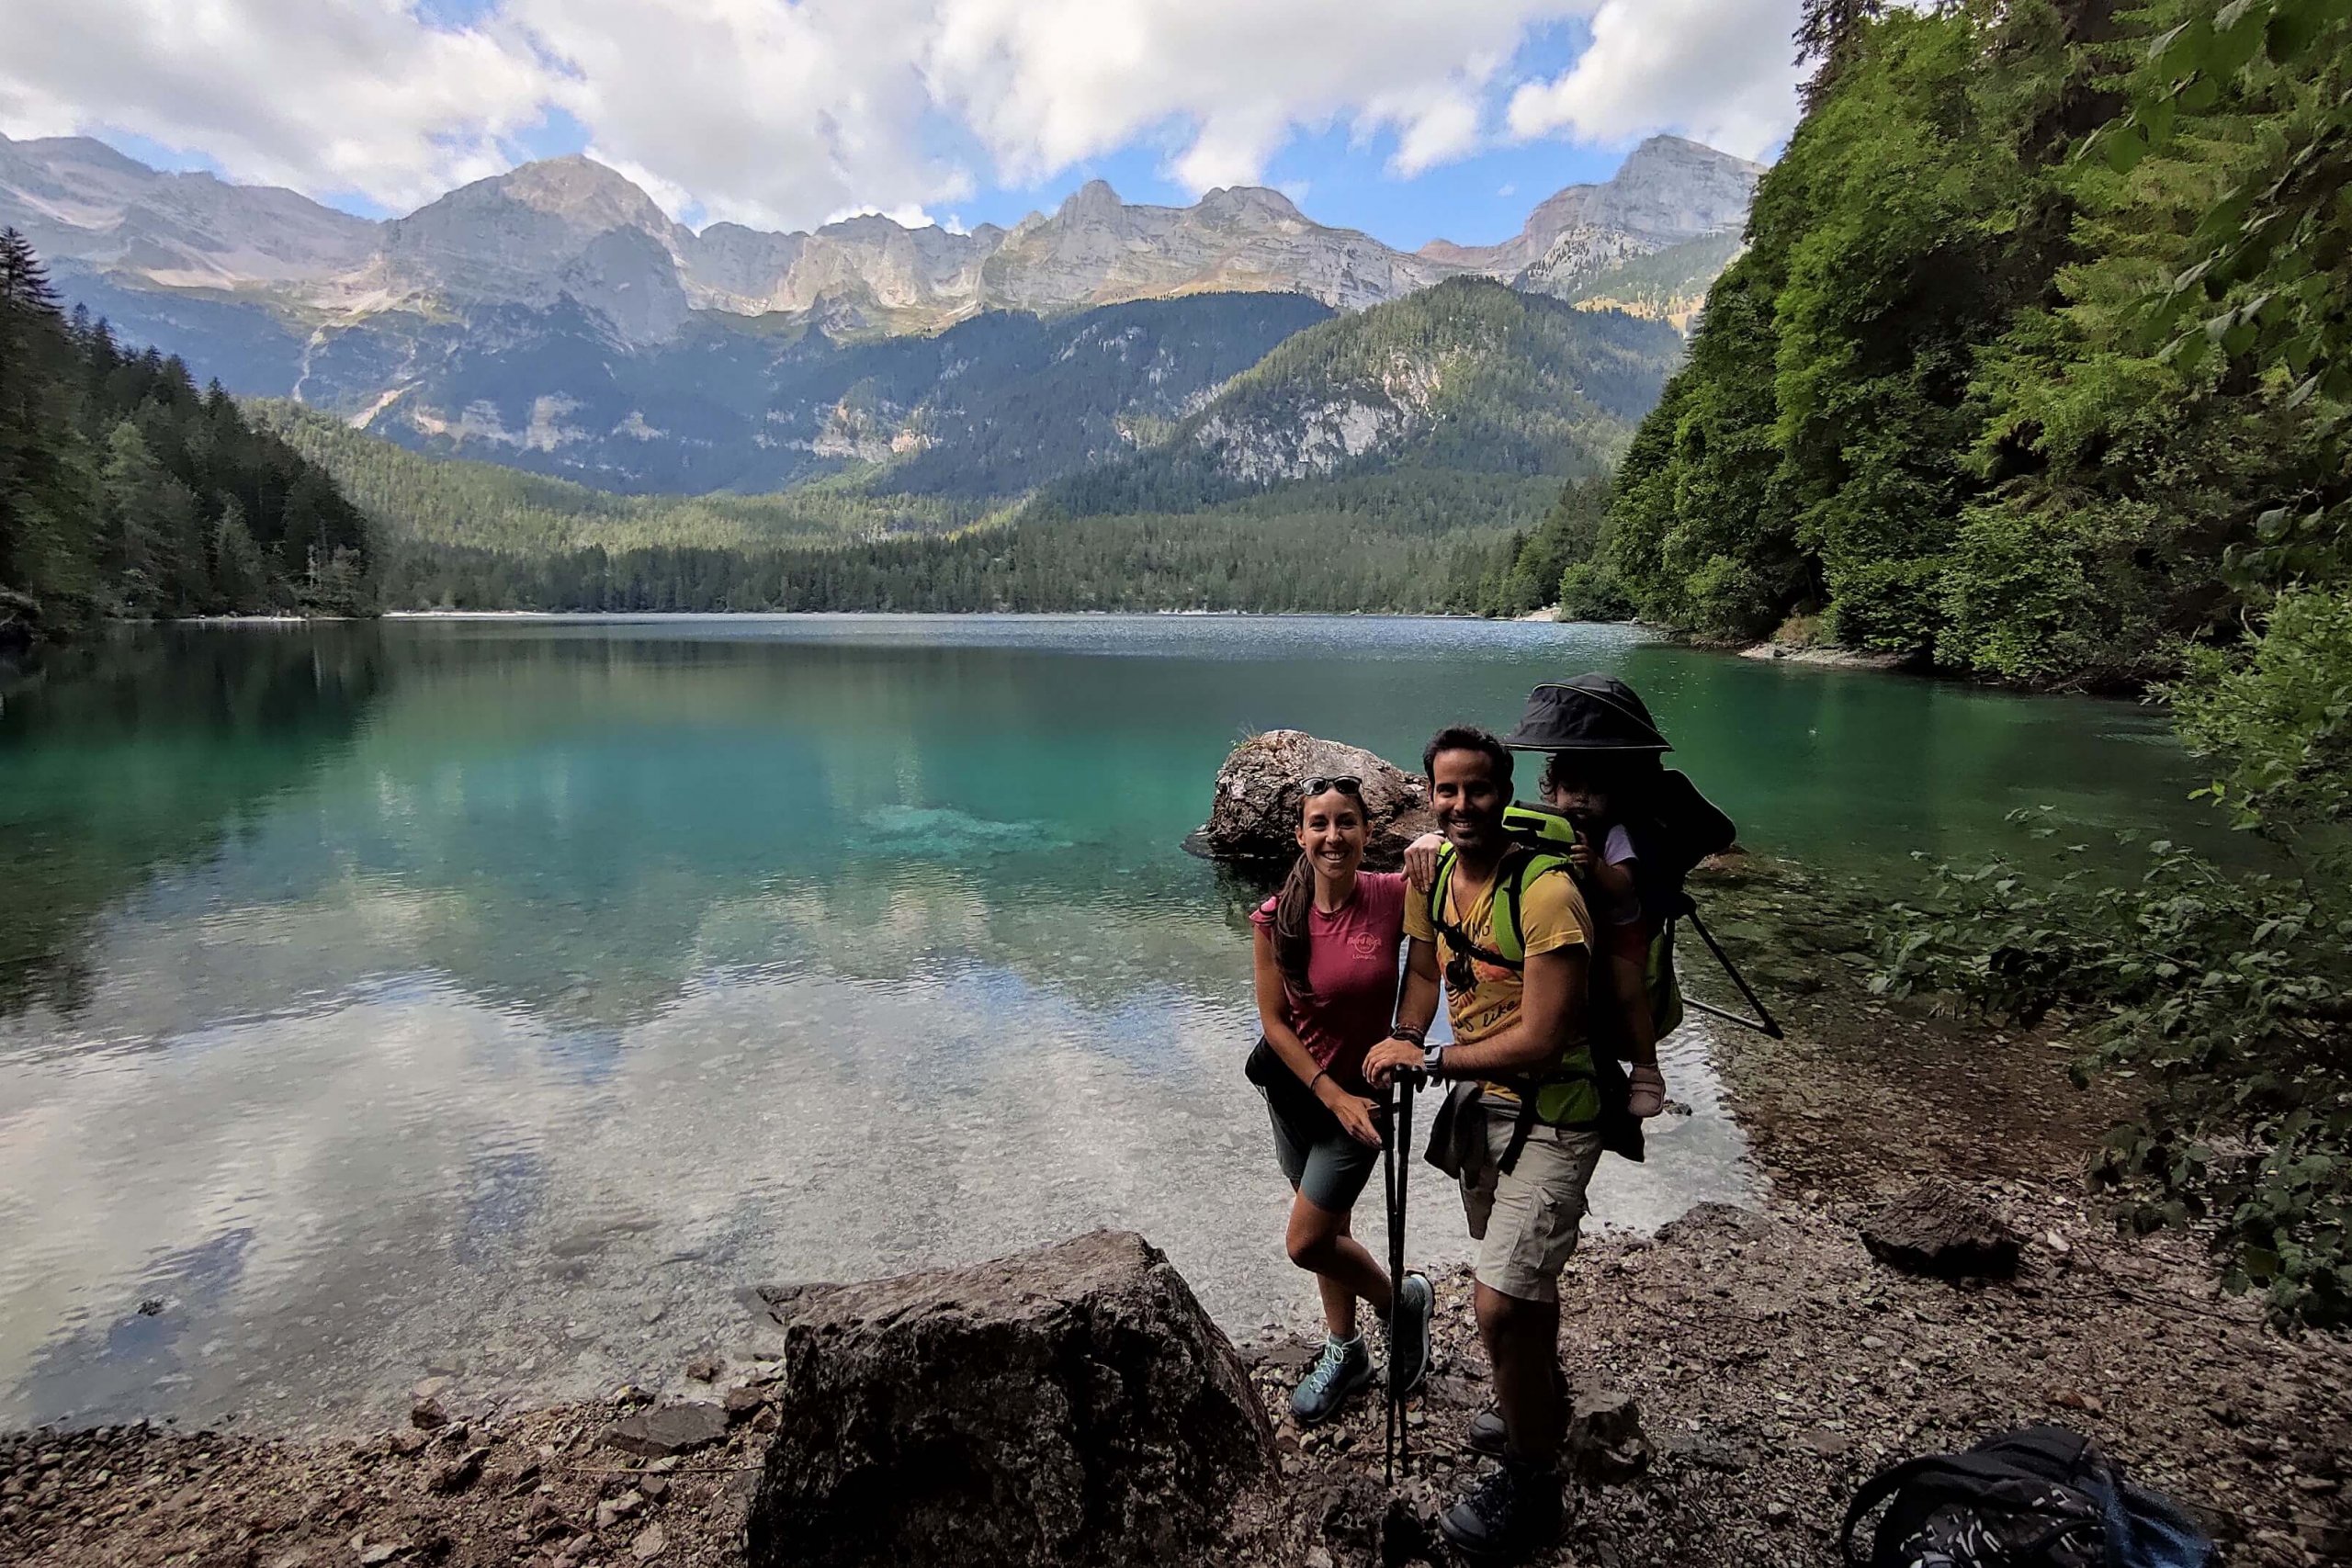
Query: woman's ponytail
{"points": [[1293, 942]]}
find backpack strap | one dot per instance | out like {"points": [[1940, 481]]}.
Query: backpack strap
{"points": [[1441, 917], [1510, 895], [1877, 1490]]}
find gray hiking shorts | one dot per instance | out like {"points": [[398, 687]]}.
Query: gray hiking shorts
{"points": [[1325, 1165]]}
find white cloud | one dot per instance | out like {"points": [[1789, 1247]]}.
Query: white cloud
{"points": [[328, 96], [1718, 71], [779, 113], [1043, 84], [774, 115]]}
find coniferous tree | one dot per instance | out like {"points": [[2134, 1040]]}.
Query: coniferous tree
{"points": [[124, 491], [1828, 35]]}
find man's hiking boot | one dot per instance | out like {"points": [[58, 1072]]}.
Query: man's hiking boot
{"points": [[1343, 1368], [1512, 1513], [1488, 1436], [1408, 1333]]}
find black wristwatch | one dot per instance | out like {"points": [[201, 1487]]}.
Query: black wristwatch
{"points": [[1434, 1061]]}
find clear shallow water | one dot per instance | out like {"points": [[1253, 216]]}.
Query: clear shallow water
{"points": [[503, 997]]}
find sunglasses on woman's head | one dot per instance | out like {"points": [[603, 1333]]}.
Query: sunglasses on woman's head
{"points": [[1346, 784]]}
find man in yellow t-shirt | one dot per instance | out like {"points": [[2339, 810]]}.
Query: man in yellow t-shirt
{"points": [[1508, 1023]]}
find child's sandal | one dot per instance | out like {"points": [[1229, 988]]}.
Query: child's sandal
{"points": [[1648, 1096]]}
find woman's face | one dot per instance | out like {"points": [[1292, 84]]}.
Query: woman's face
{"points": [[1331, 831]]}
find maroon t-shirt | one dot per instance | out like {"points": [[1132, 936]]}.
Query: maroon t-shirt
{"points": [[1351, 966]]}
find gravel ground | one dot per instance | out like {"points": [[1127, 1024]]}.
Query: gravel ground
{"points": [[1774, 1364]]}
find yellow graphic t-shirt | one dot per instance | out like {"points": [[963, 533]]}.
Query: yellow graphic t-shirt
{"points": [[1551, 915]]}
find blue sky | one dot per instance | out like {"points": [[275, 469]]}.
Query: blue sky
{"points": [[1405, 118]]}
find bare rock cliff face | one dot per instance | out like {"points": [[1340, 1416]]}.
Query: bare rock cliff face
{"points": [[1097, 250], [78, 200], [573, 227], [1668, 190]]}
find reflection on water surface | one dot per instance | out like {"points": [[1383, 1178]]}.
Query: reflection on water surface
{"points": [[503, 997]]}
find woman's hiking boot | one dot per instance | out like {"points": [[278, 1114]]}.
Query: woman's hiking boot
{"points": [[1511, 1514], [1408, 1333], [1344, 1367]]}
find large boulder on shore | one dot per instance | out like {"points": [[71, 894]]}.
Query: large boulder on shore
{"points": [[1070, 1404], [1254, 816], [1934, 1228]]}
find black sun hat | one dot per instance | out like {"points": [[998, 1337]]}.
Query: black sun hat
{"points": [[1590, 713]]}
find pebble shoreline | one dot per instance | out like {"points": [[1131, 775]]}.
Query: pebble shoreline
{"points": [[1773, 1362]]}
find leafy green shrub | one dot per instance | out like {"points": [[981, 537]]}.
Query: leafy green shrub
{"points": [[1731, 598], [2226, 995], [1590, 591], [1888, 606], [2227, 992]]}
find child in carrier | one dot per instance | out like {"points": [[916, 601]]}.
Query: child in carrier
{"points": [[1638, 828], [1598, 791]]}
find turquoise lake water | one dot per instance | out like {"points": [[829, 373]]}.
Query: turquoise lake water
{"points": [[503, 997]]}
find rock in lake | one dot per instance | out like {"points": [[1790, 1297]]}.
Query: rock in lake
{"points": [[1936, 1229], [1255, 814], [1070, 1404]]}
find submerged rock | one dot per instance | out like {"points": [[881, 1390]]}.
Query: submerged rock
{"points": [[1070, 1404], [1255, 814], [1936, 1229]]}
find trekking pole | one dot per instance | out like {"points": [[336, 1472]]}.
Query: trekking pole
{"points": [[1763, 1023], [1388, 1096], [1396, 1174]]}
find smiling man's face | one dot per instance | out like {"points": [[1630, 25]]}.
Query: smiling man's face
{"points": [[1468, 800]]}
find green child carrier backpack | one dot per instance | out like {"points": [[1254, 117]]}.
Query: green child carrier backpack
{"points": [[1546, 836], [1584, 1087]]}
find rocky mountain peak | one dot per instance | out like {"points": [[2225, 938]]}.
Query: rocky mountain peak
{"points": [[1668, 190], [1094, 199], [577, 188], [574, 228], [1250, 204]]}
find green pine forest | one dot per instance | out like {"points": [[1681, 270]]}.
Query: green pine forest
{"points": [[125, 492]]}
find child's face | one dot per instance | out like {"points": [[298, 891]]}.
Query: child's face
{"points": [[1577, 794]]}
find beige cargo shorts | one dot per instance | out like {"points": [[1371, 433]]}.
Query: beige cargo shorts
{"points": [[1525, 1222]]}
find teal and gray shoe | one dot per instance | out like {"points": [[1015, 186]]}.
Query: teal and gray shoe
{"points": [[1343, 1368], [1408, 1333]]}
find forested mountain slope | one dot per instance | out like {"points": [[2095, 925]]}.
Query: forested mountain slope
{"points": [[1469, 376], [992, 406], [126, 491], [1926, 404], [424, 503]]}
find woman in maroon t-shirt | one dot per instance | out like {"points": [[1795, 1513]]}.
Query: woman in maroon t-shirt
{"points": [[1326, 958]]}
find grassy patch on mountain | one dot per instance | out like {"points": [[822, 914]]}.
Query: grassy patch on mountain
{"points": [[1669, 285], [1467, 376]]}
